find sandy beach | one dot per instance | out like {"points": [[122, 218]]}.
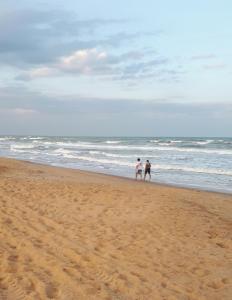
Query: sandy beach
{"points": [[68, 234]]}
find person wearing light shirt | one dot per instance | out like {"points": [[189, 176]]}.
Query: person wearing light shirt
{"points": [[138, 169]]}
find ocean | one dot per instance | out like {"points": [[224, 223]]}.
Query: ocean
{"points": [[204, 163]]}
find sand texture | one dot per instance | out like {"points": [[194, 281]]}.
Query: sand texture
{"points": [[67, 234]]}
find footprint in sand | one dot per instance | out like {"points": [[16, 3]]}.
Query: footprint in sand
{"points": [[14, 290], [215, 285], [51, 291]]}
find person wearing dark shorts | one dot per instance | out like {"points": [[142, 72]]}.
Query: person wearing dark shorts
{"points": [[147, 170]]}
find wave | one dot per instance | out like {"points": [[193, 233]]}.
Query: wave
{"points": [[113, 145], [208, 151], [204, 142], [37, 138], [21, 146], [70, 156], [97, 146], [102, 147], [86, 145], [168, 142], [154, 141], [105, 161], [164, 144], [112, 142], [155, 166], [188, 143], [203, 161], [120, 155], [7, 138], [194, 170], [62, 151]]}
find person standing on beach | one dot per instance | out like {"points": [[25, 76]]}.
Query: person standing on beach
{"points": [[147, 170], [138, 169]]}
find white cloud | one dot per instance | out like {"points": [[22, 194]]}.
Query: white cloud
{"points": [[37, 73], [42, 72], [203, 56], [131, 65], [216, 66], [81, 62], [84, 61]]}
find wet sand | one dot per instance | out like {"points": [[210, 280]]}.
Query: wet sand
{"points": [[68, 234]]}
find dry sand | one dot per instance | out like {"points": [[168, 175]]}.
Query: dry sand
{"points": [[67, 234]]}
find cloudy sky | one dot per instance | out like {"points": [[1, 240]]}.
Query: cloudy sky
{"points": [[132, 68]]}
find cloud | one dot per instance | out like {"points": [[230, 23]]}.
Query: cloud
{"points": [[216, 66], [214, 63], [203, 57], [34, 37], [37, 73], [115, 40], [84, 61], [44, 43], [13, 98], [27, 112], [47, 43], [131, 65]]}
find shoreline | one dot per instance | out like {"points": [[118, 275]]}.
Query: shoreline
{"points": [[197, 163], [72, 234], [199, 189]]}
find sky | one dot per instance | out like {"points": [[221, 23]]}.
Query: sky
{"points": [[116, 68]]}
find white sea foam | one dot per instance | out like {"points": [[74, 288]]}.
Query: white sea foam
{"points": [[156, 166], [105, 161], [194, 170], [62, 151], [139, 148], [203, 142], [7, 138], [166, 147], [154, 141], [209, 151], [70, 156], [108, 154], [22, 146], [65, 153], [190, 142], [94, 152], [164, 144], [121, 155], [97, 146], [113, 142], [37, 138]]}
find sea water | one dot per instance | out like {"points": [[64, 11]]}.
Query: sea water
{"points": [[204, 163]]}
